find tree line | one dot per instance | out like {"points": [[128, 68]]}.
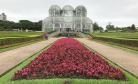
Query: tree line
{"points": [[21, 25], [112, 28], [37, 26]]}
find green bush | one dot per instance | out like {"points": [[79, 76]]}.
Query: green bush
{"points": [[129, 42], [51, 32]]}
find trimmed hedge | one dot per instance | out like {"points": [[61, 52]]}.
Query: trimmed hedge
{"points": [[51, 32], [128, 42], [9, 41], [86, 33]]}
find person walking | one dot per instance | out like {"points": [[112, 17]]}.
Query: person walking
{"points": [[46, 36]]}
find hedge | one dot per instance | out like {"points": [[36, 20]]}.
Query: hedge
{"points": [[128, 42], [51, 32], [9, 41]]}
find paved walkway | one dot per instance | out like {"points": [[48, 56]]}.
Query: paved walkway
{"points": [[12, 58], [83, 35], [54, 34], [127, 60]]}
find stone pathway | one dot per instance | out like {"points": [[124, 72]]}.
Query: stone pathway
{"points": [[54, 34], [12, 58], [127, 60], [83, 35]]}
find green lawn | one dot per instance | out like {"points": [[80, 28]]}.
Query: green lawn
{"points": [[10, 39], [18, 45], [125, 35], [19, 34], [124, 39], [6, 78]]}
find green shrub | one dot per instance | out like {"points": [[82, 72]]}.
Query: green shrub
{"points": [[51, 32]]}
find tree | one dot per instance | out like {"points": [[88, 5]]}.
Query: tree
{"points": [[101, 29], [22, 24], [133, 28], [37, 26], [96, 27], [6, 25], [110, 27], [25, 24], [118, 29]]}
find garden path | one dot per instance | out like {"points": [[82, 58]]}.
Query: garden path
{"points": [[11, 58], [127, 60]]}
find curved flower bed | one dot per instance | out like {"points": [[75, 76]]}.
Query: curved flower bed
{"points": [[69, 58]]}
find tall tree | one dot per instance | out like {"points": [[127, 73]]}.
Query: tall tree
{"points": [[110, 27], [26, 24], [38, 26], [133, 28], [96, 27], [6, 25]]}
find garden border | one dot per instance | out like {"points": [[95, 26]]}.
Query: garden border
{"points": [[76, 81]]}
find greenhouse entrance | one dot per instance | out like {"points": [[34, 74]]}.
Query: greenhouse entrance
{"points": [[68, 30]]}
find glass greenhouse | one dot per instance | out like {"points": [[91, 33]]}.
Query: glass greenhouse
{"points": [[67, 18]]}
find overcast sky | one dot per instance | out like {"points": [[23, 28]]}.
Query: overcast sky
{"points": [[118, 12]]}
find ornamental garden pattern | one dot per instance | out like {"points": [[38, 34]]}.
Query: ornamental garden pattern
{"points": [[68, 58]]}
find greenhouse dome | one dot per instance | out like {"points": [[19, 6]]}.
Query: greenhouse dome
{"points": [[68, 10], [67, 18], [54, 10], [81, 11]]}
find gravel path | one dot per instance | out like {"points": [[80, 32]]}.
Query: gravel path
{"points": [[127, 60], [12, 58]]}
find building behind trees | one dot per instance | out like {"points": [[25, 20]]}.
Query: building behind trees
{"points": [[3, 17]]}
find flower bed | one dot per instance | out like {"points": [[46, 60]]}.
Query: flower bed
{"points": [[69, 58]]}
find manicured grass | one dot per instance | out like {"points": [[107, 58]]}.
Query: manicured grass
{"points": [[18, 34], [123, 39], [125, 35], [6, 79], [122, 47], [72, 81], [18, 45], [9, 39]]}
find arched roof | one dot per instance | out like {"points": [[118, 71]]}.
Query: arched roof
{"points": [[68, 7], [54, 10], [81, 8], [54, 7], [81, 11]]}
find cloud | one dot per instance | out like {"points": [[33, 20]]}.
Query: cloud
{"points": [[118, 12]]}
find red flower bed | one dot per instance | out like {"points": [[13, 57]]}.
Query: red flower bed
{"points": [[69, 58]]}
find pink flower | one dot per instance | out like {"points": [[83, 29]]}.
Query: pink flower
{"points": [[67, 57]]}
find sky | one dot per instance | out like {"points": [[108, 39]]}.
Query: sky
{"points": [[117, 12]]}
